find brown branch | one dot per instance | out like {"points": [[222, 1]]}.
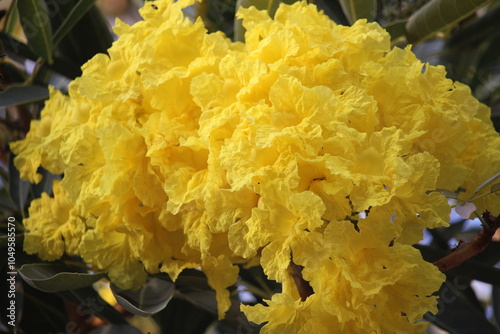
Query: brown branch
{"points": [[474, 247], [303, 286]]}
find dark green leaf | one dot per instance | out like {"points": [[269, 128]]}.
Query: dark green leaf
{"points": [[40, 312], [16, 95], [459, 310], [76, 14], [439, 14], [89, 36], [19, 189], [192, 286], [495, 296], [192, 279], [334, 11], [202, 299], [35, 20], [359, 9], [52, 277], [396, 28], [20, 51], [181, 316], [12, 18], [6, 201], [16, 47], [151, 298], [481, 29]]}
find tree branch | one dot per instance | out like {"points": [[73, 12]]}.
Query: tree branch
{"points": [[474, 247]]}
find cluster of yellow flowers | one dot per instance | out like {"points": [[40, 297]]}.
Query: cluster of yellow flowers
{"points": [[310, 142]]}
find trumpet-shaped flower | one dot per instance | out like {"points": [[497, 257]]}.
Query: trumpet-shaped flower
{"points": [[311, 142]]}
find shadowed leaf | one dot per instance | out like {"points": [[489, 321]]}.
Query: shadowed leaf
{"points": [[12, 19], [359, 9], [437, 15], [77, 12], [19, 189], [35, 20], [396, 28], [151, 298], [51, 277], [16, 95], [459, 309]]}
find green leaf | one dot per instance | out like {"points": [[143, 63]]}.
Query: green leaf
{"points": [[16, 95], [12, 18], [77, 12], [359, 9], [35, 20], [333, 10], [486, 183], [396, 28], [437, 15], [52, 277], [63, 65], [192, 286], [181, 316], [6, 200], [19, 189], [88, 37], [459, 309], [202, 299], [150, 299], [16, 47]]}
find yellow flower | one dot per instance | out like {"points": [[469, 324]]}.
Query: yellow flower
{"points": [[311, 141], [54, 226]]}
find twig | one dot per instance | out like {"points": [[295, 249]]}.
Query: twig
{"points": [[303, 286], [474, 247]]}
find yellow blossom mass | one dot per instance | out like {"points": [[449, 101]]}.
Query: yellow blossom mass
{"points": [[311, 142]]}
